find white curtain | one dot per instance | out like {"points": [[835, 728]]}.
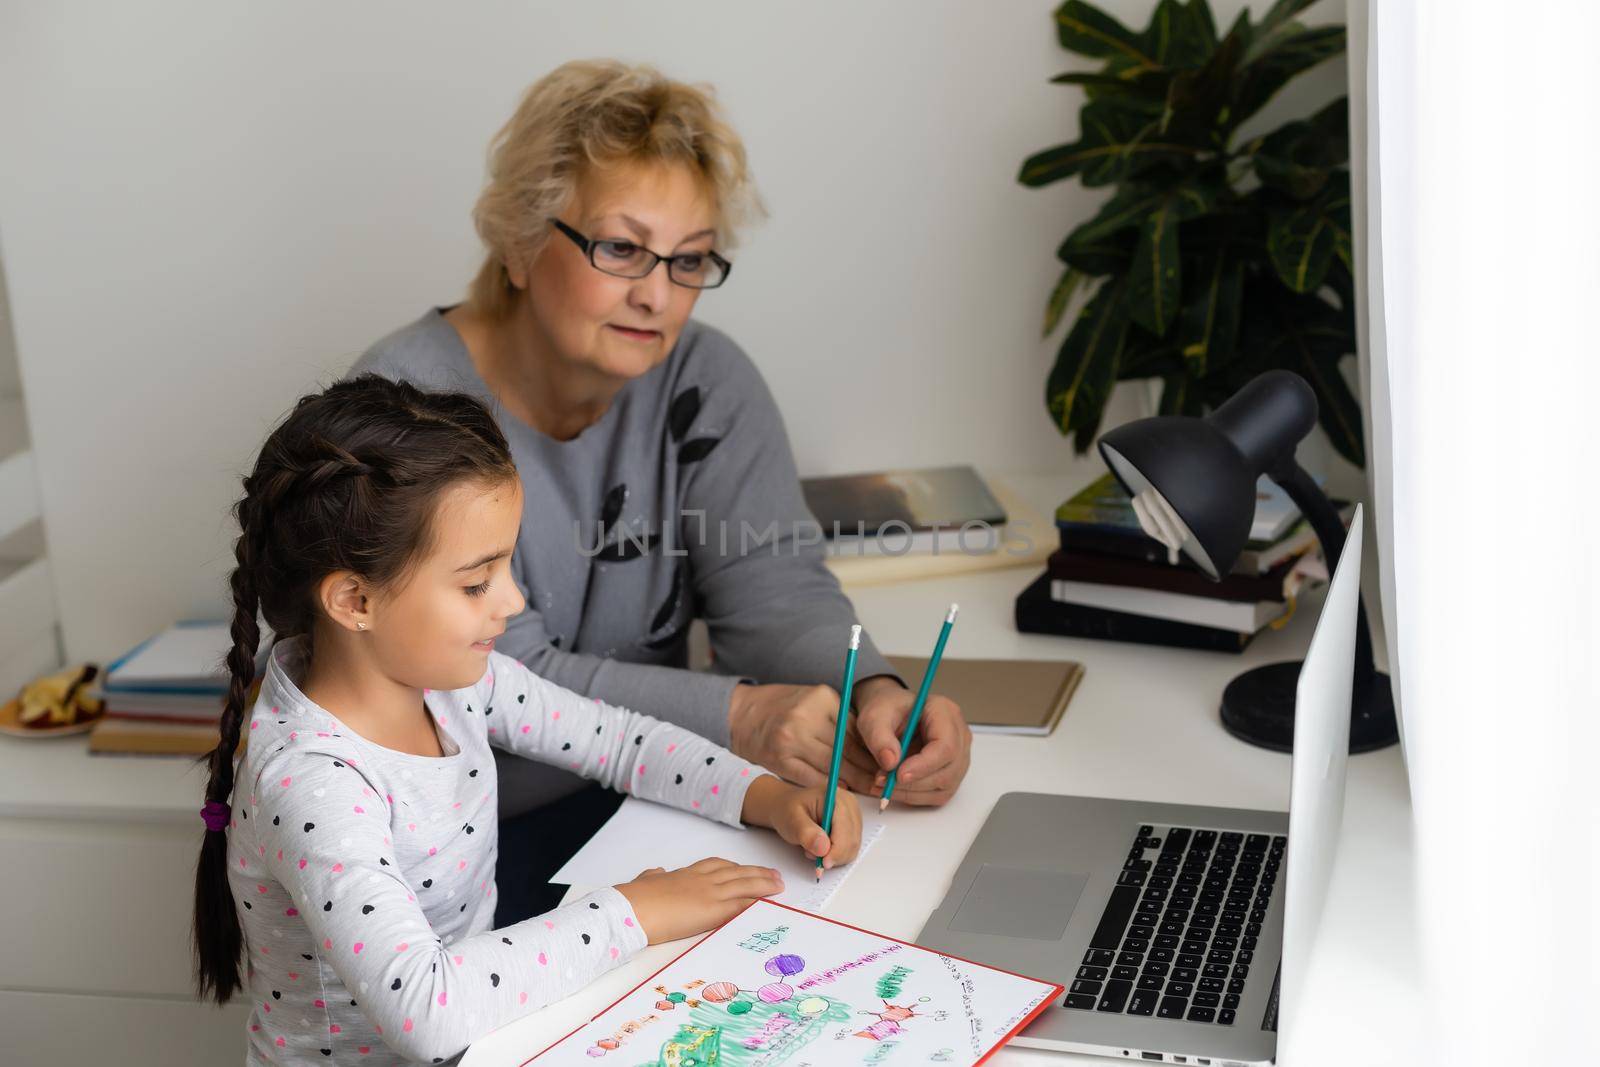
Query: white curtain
{"points": [[1482, 255]]}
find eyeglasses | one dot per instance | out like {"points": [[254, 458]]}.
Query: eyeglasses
{"points": [[627, 259]]}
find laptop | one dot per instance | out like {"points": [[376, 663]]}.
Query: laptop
{"points": [[1181, 932]]}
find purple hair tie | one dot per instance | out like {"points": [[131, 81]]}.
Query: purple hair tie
{"points": [[215, 814]]}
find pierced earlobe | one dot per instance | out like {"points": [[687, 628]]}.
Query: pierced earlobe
{"points": [[361, 626]]}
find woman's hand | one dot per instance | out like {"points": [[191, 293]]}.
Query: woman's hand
{"points": [[788, 729], [795, 812], [939, 754], [697, 898]]}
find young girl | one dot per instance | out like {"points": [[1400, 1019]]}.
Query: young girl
{"points": [[352, 860]]}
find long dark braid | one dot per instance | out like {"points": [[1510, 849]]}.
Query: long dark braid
{"points": [[217, 937], [348, 481]]}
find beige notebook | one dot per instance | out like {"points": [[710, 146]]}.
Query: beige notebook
{"points": [[1001, 696], [136, 737]]}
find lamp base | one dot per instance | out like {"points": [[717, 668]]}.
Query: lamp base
{"points": [[1258, 707]]}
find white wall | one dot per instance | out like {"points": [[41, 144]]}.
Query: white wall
{"points": [[208, 208]]}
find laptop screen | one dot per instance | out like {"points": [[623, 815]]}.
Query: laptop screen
{"points": [[1317, 772]]}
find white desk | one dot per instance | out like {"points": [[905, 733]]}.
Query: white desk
{"points": [[1143, 724]]}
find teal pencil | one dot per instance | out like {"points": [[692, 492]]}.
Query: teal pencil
{"points": [[916, 709], [838, 736]]}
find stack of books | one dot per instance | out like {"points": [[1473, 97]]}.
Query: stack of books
{"points": [[1111, 580], [165, 696]]}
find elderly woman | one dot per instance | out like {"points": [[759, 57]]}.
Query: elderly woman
{"points": [[660, 486]]}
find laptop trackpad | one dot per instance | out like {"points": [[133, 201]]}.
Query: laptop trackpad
{"points": [[1019, 903]]}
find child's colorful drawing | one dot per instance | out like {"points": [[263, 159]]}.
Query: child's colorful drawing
{"points": [[765, 940], [889, 1020], [730, 1021], [837, 996]]}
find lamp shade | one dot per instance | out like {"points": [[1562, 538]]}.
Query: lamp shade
{"points": [[1205, 471], [1206, 468]]}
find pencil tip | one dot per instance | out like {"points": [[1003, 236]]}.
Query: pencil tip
{"points": [[883, 803]]}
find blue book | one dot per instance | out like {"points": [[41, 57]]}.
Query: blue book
{"points": [[1099, 518]]}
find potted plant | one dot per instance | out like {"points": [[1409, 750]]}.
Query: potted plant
{"points": [[1213, 260]]}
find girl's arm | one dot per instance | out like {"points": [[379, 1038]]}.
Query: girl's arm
{"points": [[327, 841], [656, 761], [622, 749]]}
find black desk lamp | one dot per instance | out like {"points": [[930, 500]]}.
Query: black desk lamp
{"points": [[1201, 475]]}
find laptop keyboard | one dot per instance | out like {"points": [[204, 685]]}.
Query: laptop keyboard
{"points": [[1179, 933]]}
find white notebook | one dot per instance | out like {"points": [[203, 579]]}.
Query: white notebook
{"points": [[187, 657], [781, 986], [1243, 616], [642, 835]]}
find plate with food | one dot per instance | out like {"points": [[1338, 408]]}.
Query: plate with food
{"points": [[55, 705]]}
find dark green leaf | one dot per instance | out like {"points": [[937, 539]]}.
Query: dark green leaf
{"points": [[1303, 241], [1060, 297], [1301, 245], [1275, 27], [1310, 336], [1239, 229], [1130, 207], [1143, 89], [1155, 275], [1322, 328], [1242, 29], [1136, 89], [1199, 102], [1124, 211], [1180, 34], [1298, 158], [1338, 411], [1210, 324], [1336, 209], [1104, 244], [1342, 281], [1201, 24], [1281, 12], [1265, 74], [1180, 395], [1109, 255], [1135, 79], [1144, 355], [1332, 124], [1155, 279], [1088, 31], [1289, 175], [1115, 142], [1086, 367]]}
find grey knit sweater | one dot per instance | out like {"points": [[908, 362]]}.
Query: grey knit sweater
{"points": [[682, 501]]}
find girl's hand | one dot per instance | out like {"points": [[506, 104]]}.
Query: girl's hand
{"points": [[700, 897], [795, 812]]}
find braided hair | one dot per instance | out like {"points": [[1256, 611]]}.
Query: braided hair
{"points": [[348, 481]]}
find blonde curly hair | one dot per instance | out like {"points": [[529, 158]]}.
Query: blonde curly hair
{"points": [[593, 115]]}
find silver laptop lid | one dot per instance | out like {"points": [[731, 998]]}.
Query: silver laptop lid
{"points": [[1317, 773]]}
